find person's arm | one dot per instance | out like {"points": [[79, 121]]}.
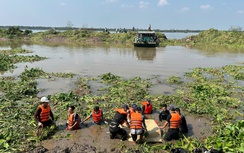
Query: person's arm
{"points": [[37, 114], [144, 124], [51, 114], [87, 118], [126, 121], [143, 109], [167, 122], [102, 116], [160, 116]]}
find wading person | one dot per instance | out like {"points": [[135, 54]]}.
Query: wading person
{"points": [[73, 122], [119, 118], [173, 120], [147, 107], [164, 113], [96, 115], [137, 125], [183, 124], [132, 110], [43, 113]]}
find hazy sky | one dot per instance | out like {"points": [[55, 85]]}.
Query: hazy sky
{"points": [[161, 14]]}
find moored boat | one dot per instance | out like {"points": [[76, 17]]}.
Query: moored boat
{"points": [[146, 39]]}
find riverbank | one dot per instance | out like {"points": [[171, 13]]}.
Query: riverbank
{"points": [[212, 37]]}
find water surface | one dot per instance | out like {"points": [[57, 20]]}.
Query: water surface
{"points": [[125, 62]]}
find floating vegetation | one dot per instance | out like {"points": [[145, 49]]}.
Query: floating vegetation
{"points": [[34, 73], [15, 51], [209, 92], [9, 57]]}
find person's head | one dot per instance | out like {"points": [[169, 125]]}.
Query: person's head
{"points": [[177, 110], [138, 109], [125, 107], [164, 107], [44, 101], [134, 106], [71, 109], [96, 109], [149, 101], [171, 109]]}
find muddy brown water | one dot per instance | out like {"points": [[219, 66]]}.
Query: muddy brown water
{"points": [[93, 61], [162, 62]]}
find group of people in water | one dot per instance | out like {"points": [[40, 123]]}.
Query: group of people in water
{"points": [[133, 116]]}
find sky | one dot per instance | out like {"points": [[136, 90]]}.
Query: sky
{"points": [[161, 14]]}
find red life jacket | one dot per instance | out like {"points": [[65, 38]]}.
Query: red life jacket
{"points": [[148, 107], [45, 113], [175, 120], [71, 121], [136, 121], [97, 117]]}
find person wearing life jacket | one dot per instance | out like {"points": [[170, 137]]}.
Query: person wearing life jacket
{"points": [[43, 113], [73, 122], [96, 115], [137, 125], [147, 107], [183, 124], [173, 120], [132, 110], [119, 118]]}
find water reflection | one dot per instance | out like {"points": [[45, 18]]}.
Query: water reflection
{"points": [[145, 53]]}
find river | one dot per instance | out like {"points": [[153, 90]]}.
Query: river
{"points": [[125, 62]]}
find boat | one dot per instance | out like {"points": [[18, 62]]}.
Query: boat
{"points": [[146, 39]]}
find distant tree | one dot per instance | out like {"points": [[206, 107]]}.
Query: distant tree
{"points": [[235, 28], [14, 31], [69, 24], [27, 32]]}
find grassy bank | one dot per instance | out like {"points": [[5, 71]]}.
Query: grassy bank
{"points": [[212, 37]]}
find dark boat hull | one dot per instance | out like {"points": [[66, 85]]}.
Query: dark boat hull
{"points": [[145, 44]]}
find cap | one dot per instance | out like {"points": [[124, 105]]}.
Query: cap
{"points": [[125, 106], [172, 108], [44, 99]]}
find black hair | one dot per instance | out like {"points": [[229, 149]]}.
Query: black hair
{"points": [[177, 109], [138, 108], [72, 107], [164, 105], [96, 108]]}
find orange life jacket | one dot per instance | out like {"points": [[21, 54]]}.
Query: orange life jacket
{"points": [[148, 107], [136, 121], [120, 110], [71, 121], [45, 113], [175, 120], [97, 117], [131, 110]]}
